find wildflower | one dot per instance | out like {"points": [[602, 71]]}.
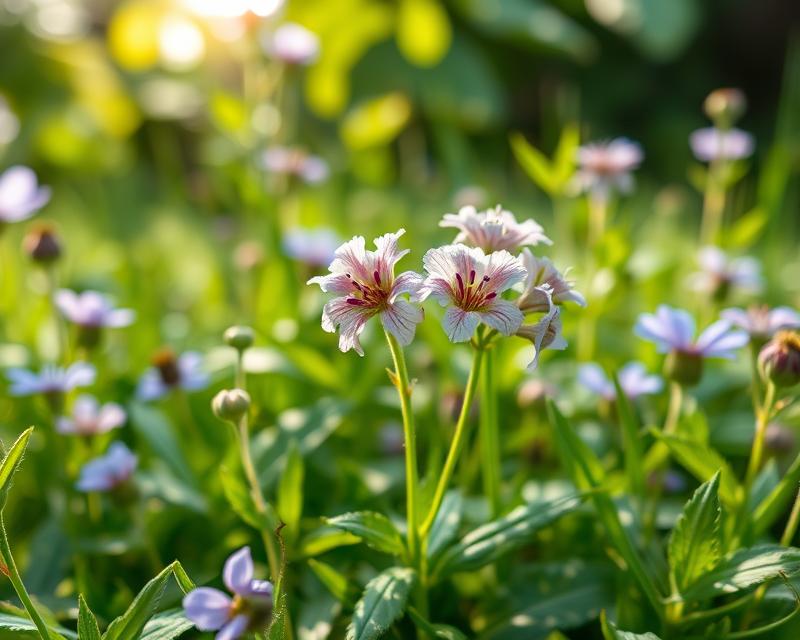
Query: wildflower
{"points": [[672, 331], [20, 195], [366, 280], [51, 380], [494, 229], [249, 609], [470, 283], [91, 310], [633, 379], [170, 372], [90, 418], [545, 334], [761, 322], [293, 162], [314, 247], [720, 275], [710, 144], [293, 44], [42, 244], [606, 166], [109, 471], [779, 359], [545, 284]]}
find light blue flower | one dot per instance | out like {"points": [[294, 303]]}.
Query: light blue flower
{"points": [[91, 309], [108, 471], [20, 194], [171, 372], [51, 380], [633, 378]]}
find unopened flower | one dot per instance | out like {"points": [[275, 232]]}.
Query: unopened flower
{"points": [[239, 337], [172, 372], [761, 322], [604, 167], [90, 418], [779, 359], [710, 144], [231, 404], [725, 106], [673, 332], [494, 229], [42, 244], [249, 609], [293, 44], [20, 194], [545, 284], [109, 471], [721, 275], [314, 247], [470, 283], [51, 380], [292, 162], [545, 334], [633, 379]]}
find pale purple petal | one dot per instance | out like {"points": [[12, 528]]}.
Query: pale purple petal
{"points": [[739, 318], [710, 144], [234, 629], [20, 195], [669, 328], [151, 386], [192, 376], [349, 319], [592, 376], [23, 382], [111, 416], [407, 282], [635, 381], [79, 374], [502, 315], [238, 571], [401, 319], [67, 303], [718, 341], [118, 318], [504, 270], [783, 318], [207, 608], [460, 325]]}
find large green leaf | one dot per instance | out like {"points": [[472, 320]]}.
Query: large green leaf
{"points": [[166, 625], [16, 628], [375, 529], [87, 623], [324, 539], [10, 463], [495, 539], [383, 602], [445, 526], [694, 545]]}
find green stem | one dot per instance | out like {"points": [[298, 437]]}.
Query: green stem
{"points": [[19, 587], [490, 436], [403, 385], [674, 409], [791, 525], [763, 416], [713, 204], [458, 441]]}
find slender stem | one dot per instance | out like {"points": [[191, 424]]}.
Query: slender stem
{"points": [[403, 385], [490, 437], [458, 441], [713, 203], [19, 587], [598, 215], [674, 409], [791, 525], [763, 416]]}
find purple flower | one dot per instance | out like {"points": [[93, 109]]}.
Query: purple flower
{"points": [[293, 44], [470, 283], [545, 284], [761, 322], [108, 471], [369, 288], [91, 310], [606, 166], [51, 380], [249, 609], [633, 378], [89, 417], [711, 144], [672, 330], [720, 274], [293, 162], [314, 247], [494, 229], [545, 334], [170, 372], [20, 194]]}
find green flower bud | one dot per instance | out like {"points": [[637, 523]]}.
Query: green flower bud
{"points": [[239, 337], [725, 106], [684, 367], [231, 404], [779, 359]]}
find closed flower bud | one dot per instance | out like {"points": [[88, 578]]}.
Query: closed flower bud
{"points": [[779, 359], [239, 337], [683, 367], [42, 244], [231, 404], [725, 106]]}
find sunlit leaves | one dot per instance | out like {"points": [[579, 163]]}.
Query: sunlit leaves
{"points": [[423, 31], [611, 632], [376, 122], [290, 493], [382, 603], [552, 176], [87, 623], [374, 528], [11, 462]]}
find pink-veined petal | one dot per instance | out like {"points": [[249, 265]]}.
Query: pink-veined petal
{"points": [[401, 319], [460, 325], [502, 315]]}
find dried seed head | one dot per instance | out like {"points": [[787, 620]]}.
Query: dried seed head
{"points": [[42, 244]]}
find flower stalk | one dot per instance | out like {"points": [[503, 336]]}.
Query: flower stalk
{"points": [[489, 434], [764, 414]]}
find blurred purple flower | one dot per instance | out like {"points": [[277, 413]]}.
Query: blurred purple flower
{"points": [[366, 280], [761, 322], [91, 309], [545, 334], [251, 606], [720, 274], [290, 161], [470, 283], [314, 247], [673, 330], [171, 372], [633, 378], [545, 284], [51, 379], [89, 417], [20, 194], [108, 471], [711, 144], [607, 166], [293, 44], [494, 229]]}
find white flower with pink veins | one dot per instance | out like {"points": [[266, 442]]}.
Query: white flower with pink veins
{"points": [[494, 229]]}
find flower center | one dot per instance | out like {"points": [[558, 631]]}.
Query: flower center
{"points": [[471, 296], [369, 294]]}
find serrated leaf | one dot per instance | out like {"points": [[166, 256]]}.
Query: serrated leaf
{"points": [[16, 628], [10, 463], [166, 625], [277, 628], [445, 527], [694, 545], [375, 529], [87, 623], [383, 602], [290, 493], [610, 632]]}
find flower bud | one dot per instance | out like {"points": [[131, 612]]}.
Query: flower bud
{"points": [[779, 359], [231, 404], [684, 367], [42, 244], [725, 106], [239, 337]]}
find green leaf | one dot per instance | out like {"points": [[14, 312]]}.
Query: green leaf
{"points": [[747, 229], [383, 602], [495, 539], [16, 628], [375, 529], [290, 493], [610, 631], [566, 155], [158, 431], [87, 623], [534, 163], [277, 628], [694, 545], [237, 492], [323, 540], [631, 443], [10, 463], [445, 527], [333, 580], [745, 568], [166, 625], [777, 501], [435, 630]]}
